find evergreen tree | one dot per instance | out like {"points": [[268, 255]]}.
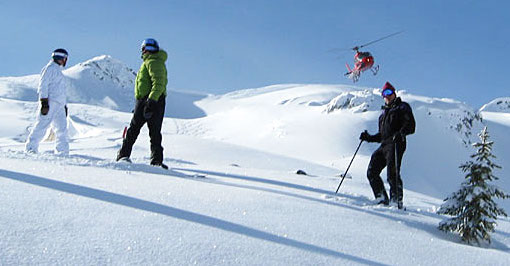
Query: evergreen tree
{"points": [[472, 207]]}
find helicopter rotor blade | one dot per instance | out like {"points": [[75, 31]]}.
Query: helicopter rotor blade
{"points": [[341, 50], [356, 48], [380, 39], [338, 50]]}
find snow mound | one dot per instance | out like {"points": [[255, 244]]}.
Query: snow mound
{"points": [[102, 81], [356, 101], [448, 114], [105, 82], [105, 67], [286, 96], [501, 105], [19, 88]]}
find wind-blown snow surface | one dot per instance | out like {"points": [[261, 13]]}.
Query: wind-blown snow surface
{"points": [[231, 196]]}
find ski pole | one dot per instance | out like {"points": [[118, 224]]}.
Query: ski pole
{"points": [[396, 177], [343, 177]]}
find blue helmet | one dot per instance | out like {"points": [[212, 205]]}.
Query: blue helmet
{"points": [[59, 54], [150, 45]]}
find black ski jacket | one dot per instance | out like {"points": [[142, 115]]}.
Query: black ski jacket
{"points": [[397, 117]]}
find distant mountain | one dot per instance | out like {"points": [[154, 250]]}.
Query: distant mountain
{"points": [[497, 105], [102, 81]]}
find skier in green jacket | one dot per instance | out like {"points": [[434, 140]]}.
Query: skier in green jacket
{"points": [[150, 94]]}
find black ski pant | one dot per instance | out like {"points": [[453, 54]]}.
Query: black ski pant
{"points": [[154, 124], [383, 157]]}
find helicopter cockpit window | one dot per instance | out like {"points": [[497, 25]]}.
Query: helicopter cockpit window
{"points": [[363, 55]]}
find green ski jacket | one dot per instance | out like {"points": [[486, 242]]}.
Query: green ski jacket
{"points": [[151, 79]]}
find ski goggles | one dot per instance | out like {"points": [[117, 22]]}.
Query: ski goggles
{"points": [[63, 55], [387, 92]]}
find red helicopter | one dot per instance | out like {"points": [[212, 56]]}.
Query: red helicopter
{"points": [[364, 60]]}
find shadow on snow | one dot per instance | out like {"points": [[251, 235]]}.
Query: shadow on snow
{"points": [[144, 205], [358, 203]]}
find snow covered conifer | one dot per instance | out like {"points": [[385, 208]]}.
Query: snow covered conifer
{"points": [[472, 207]]}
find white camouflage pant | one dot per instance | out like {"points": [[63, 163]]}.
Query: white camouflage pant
{"points": [[57, 118]]}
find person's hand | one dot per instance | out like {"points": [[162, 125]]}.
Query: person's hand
{"points": [[149, 108], [364, 136], [45, 106]]}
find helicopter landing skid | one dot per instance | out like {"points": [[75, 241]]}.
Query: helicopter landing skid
{"points": [[375, 70], [354, 75]]}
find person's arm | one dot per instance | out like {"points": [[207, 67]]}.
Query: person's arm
{"points": [[409, 124], [376, 138], [44, 82], [365, 136]]}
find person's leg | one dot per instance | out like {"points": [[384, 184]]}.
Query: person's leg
{"points": [[60, 125], [393, 174], [155, 123], [38, 131], [133, 131], [375, 167]]}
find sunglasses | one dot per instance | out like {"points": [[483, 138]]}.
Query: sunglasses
{"points": [[387, 92]]}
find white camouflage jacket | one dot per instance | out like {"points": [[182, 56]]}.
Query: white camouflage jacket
{"points": [[53, 84]]}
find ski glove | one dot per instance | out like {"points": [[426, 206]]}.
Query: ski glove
{"points": [[45, 106], [365, 136], [149, 108]]}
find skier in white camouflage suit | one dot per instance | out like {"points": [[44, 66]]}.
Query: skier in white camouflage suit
{"points": [[53, 110]]}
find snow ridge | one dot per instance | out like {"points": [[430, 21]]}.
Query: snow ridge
{"points": [[356, 101], [497, 105], [102, 81], [106, 68]]}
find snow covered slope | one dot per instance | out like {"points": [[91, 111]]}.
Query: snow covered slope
{"points": [[321, 123], [497, 105], [232, 195], [102, 81], [498, 122], [20, 88]]}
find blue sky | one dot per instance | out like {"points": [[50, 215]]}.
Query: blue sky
{"points": [[453, 49]]}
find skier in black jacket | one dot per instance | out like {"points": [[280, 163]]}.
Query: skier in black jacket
{"points": [[395, 123]]}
